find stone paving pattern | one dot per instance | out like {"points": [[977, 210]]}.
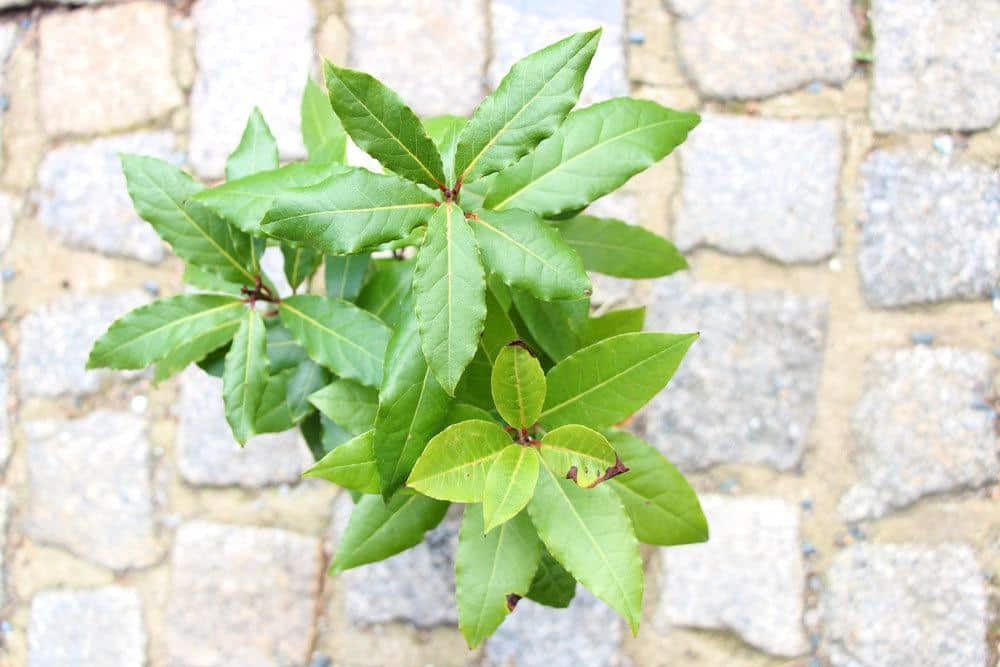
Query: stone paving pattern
{"points": [[842, 222]]}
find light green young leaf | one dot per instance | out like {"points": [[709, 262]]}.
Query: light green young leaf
{"points": [[449, 295], [589, 533], [607, 382], [299, 263], [344, 276], [388, 294], [412, 407], [662, 505], [556, 326], [258, 151], [454, 464], [306, 380], [197, 323], [338, 335], [160, 192], [378, 530], [350, 404], [350, 212], [529, 105], [444, 131], [350, 465], [613, 323], [510, 483], [518, 385], [616, 248], [383, 126], [322, 132], [552, 586], [245, 376], [578, 453], [490, 569], [273, 415], [595, 151], [527, 253]]}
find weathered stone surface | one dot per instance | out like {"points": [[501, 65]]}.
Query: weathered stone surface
{"points": [[749, 578], [746, 49], [905, 605], [5, 414], [82, 196], [4, 4], [522, 26], [207, 453], [8, 37], [241, 596], [416, 586], [106, 69], [248, 54], [89, 481], [930, 229], [272, 262], [441, 68], [621, 205], [760, 185], [4, 518], [588, 632], [101, 627], [8, 211], [55, 341], [746, 392], [922, 426], [937, 65]]}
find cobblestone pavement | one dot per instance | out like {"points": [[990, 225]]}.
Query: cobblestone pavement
{"points": [[840, 205]]}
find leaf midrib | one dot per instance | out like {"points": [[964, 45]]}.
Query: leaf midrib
{"points": [[333, 332]]}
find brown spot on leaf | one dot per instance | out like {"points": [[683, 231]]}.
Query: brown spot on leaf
{"points": [[571, 474], [521, 344], [618, 468], [512, 600]]}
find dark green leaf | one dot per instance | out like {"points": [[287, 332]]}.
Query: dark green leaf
{"points": [[616, 248], [556, 326], [245, 376], [350, 465], [273, 415], [498, 329], [208, 281], [258, 151], [215, 362], [348, 403], [322, 132], [307, 379], [552, 586], [518, 385], [282, 349], [460, 412], [344, 276], [613, 323], [474, 388], [388, 295], [300, 263]]}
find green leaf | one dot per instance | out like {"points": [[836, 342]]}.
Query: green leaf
{"points": [[214, 363], [552, 586], [282, 349], [454, 464], [616, 248], [474, 387], [348, 403], [333, 435], [489, 569], [578, 453], [527, 253], [152, 332], [322, 132], [273, 415], [498, 329], [530, 103], [351, 465], [662, 505], [589, 533], [258, 151], [518, 385], [378, 530], [245, 201], [595, 151], [350, 212], [556, 326], [444, 131], [449, 295], [197, 347], [388, 295], [245, 376], [613, 323], [208, 281], [338, 335], [383, 126], [344, 276], [412, 407], [461, 412], [160, 192], [607, 382], [300, 263], [307, 379], [510, 483]]}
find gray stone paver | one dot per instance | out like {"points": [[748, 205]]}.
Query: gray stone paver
{"points": [[82, 196], [746, 391], [905, 605], [441, 69], [416, 586], [588, 632], [4, 521], [930, 229], [921, 427], [248, 54], [936, 65], [208, 455], [106, 69], [241, 596], [748, 578], [9, 209], [748, 49], [90, 488], [101, 627], [754, 185], [55, 340], [523, 26], [5, 416]]}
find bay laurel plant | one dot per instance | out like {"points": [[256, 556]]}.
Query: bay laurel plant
{"points": [[448, 354]]}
